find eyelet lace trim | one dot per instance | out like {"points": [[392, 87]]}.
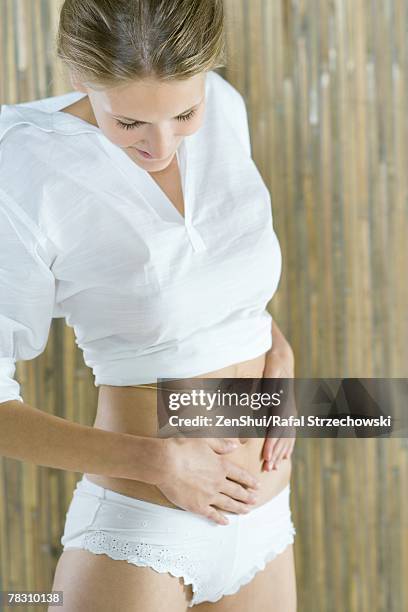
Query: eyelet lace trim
{"points": [[179, 565], [143, 554], [287, 538]]}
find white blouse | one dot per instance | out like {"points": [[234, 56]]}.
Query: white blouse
{"points": [[88, 235]]}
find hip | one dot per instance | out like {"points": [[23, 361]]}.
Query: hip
{"points": [[271, 483]]}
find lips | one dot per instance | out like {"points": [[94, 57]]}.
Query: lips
{"points": [[147, 155], [144, 153]]}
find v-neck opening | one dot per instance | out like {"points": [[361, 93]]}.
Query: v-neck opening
{"points": [[144, 183], [181, 155], [182, 168], [137, 176]]}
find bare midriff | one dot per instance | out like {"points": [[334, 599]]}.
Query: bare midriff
{"points": [[133, 410]]}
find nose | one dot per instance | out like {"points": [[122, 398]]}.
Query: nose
{"points": [[160, 143]]}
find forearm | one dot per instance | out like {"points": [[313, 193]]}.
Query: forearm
{"points": [[279, 342], [34, 436]]}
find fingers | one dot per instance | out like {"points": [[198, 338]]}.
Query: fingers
{"points": [[232, 440], [238, 493], [268, 447], [281, 451], [290, 449], [237, 440], [278, 454], [271, 448], [240, 475], [222, 445], [214, 515], [226, 503]]}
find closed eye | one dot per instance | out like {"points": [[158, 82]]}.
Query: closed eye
{"points": [[135, 124]]}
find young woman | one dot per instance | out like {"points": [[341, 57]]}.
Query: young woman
{"points": [[132, 208]]}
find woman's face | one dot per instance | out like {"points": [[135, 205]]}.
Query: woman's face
{"points": [[149, 115]]}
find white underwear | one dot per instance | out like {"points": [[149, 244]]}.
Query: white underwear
{"points": [[215, 559]]}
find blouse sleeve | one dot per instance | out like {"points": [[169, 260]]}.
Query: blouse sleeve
{"points": [[234, 109], [243, 125], [27, 294]]}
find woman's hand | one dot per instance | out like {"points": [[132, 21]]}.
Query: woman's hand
{"points": [[280, 363], [196, 476]]}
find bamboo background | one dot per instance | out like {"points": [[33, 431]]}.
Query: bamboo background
{"points": [[326, 89]]}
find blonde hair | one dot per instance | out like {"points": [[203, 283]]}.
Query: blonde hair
{"points": [[105, 43]]}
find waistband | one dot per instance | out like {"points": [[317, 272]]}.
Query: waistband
{"points": [[84, 485]]}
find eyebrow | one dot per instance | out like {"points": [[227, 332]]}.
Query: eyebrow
{"points": [[148, 123]]}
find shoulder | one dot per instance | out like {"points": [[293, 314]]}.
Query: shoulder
{"points": [[24, 152], [228, 104], [224, 90], [24, 155], [20, 138]]}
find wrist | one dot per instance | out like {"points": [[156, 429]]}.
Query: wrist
{"points": [[141, 458], [280, 346], [160, 463], [283, 350]]}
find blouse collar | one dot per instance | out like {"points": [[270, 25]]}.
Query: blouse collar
{"points": [[46, 115]]}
